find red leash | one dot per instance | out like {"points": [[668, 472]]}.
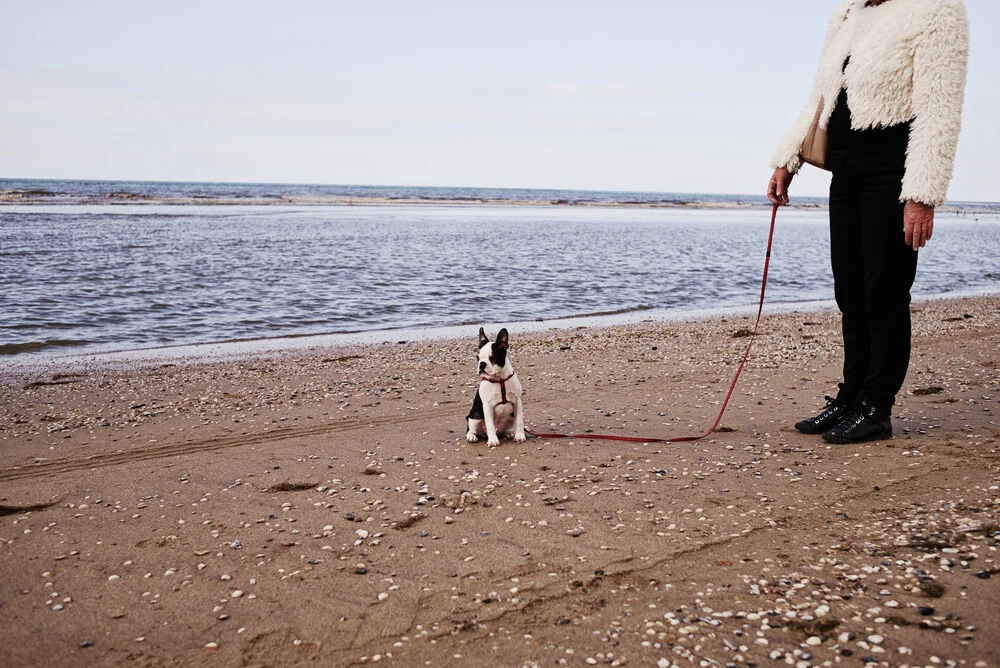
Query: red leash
{"points": [[739, 370]]}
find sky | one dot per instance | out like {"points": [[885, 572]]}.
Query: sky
{"points": [[662, 96]]}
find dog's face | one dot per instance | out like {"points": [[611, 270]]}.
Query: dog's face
{"points": [[492, 356]]}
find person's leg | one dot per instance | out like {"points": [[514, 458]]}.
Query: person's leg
{"points": [[848, 263], [890, 266]]}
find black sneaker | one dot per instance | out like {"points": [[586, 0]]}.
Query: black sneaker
{"points": [[864, 423], [830, 417]]}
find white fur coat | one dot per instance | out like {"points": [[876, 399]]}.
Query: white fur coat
{"points": [[908, 62]]}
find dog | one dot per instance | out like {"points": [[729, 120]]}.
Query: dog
{"points": [[497, 407]]}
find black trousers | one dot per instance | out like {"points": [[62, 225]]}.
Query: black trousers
{"points": [[873, 272]]}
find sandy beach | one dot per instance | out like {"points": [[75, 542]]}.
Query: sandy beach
{"points": [[324, 508]]}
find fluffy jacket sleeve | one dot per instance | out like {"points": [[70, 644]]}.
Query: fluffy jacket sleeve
{"points": [[940, 58], [787, 153]]}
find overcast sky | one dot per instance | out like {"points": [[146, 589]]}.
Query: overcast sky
{"points": [[657, 96]]}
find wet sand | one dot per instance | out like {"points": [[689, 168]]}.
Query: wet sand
{"points": [[323, 507]]}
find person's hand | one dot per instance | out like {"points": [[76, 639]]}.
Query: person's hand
{"points": [[918, 224], [777, 187]]}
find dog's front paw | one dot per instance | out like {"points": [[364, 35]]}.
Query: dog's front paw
{"points": [[493, 442], [520, 437], [471, 437]]}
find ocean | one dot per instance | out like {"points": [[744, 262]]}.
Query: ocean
{"points": [[91, 267]]}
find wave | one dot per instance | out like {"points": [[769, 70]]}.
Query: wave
{"points": [[31, 191], [112, 199], [597, 314], [111, 193], [36, 346]]}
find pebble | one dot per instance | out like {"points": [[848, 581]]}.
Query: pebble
{"points": [[212, 646], [824, 588]]}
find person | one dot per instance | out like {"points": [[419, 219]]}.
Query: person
{"points": [[889, 90]]}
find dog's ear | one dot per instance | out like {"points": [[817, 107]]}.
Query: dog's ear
{"points": [[483, 339], [503, 339]]}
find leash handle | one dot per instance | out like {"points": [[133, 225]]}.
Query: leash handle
{"points": [[732, 386]]}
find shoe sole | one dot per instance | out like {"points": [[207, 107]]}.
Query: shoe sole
{"points": [[838, 440]]}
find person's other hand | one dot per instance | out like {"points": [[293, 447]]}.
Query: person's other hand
{"points": [[777, 187], [918, 224]]}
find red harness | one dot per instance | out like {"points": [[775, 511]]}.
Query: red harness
{"points": [[503, 387]]}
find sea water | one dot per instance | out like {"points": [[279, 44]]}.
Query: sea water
{"points": [[85, 268]]}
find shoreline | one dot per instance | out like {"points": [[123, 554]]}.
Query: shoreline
{"points": [[266, 347], [324, 508], [306, 344]]}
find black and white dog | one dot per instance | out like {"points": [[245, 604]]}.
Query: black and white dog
{"points": [[497, 407]]}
